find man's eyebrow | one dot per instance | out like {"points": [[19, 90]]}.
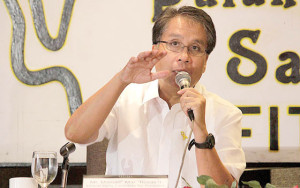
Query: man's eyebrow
{"points": [[199, 41], [175, 35]]}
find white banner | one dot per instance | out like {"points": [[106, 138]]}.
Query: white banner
{"points": [[55, 54]]}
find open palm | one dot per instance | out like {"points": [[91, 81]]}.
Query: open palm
{"points": [[138, 69]]}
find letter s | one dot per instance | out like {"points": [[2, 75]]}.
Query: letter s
{"points": [[236, 47]]}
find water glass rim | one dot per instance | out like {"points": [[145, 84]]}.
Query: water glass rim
{"points": [[44, 152]]}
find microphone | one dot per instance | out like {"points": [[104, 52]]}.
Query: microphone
{"points": [[68, 148], [183, 80], [65, 151]]}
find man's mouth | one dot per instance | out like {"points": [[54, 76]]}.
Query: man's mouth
{"points": [[177, 71]]}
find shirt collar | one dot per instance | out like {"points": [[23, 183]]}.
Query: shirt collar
{"points": [[151, 91], [200, 88]]}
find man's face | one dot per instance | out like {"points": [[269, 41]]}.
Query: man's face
{"points": [[188, 32]]}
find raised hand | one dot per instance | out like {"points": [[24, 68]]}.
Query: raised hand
{"points": [[138, 69]]}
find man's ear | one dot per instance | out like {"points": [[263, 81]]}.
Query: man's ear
{"points": [[205, 63]]}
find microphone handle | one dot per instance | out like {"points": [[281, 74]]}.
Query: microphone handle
{"points": [[191, 114], [64, 178], [183, 157], [190, 111]]}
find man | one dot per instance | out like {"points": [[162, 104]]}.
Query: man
{"points": [[145, 115]]}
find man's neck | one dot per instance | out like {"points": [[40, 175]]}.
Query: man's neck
{"points": [[169, 95]]}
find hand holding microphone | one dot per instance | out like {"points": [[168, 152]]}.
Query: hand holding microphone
{"points": [[183, 80]]}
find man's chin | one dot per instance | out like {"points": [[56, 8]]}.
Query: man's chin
{"points": [[169, 81]]}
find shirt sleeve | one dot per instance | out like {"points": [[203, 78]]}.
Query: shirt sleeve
{"points": [[109, 126], [228, 140]]}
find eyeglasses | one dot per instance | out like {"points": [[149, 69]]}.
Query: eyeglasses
{"points": [[176, 46]]}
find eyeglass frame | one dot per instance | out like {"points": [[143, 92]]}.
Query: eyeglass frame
{"points": [[182, 47]]}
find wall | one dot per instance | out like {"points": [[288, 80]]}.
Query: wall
{"points": [[55, 54]]}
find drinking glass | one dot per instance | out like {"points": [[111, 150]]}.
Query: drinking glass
{"points": [[44, 167]]}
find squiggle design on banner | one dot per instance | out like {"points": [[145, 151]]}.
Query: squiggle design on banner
{"points": [[41, 28], [57, 73]]}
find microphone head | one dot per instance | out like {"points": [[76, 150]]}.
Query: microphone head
{"points": [[183, 79], [67, 149]]}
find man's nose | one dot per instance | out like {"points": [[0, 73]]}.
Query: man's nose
{"points": [[184, 56]]}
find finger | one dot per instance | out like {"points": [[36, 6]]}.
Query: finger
{"points": [[192, 93], [188, 91], [133, 60], [161, 54], [195, 104], [144, 55], [189, 106], [151, 54], [182, 91], [160, 75], [154, 54], [153, 61], [158, 57], [149, 58], [185, 101], [188, 99], [184, 108]]}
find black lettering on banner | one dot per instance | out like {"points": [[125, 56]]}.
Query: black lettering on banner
{"points": [[294, 110], [203, 3], [248, 110], [281, 72], [277, 2], [288, 3], [236, 47], [274, 128], [229, 3], [159, 4], [251, 2], [246, 132]]}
